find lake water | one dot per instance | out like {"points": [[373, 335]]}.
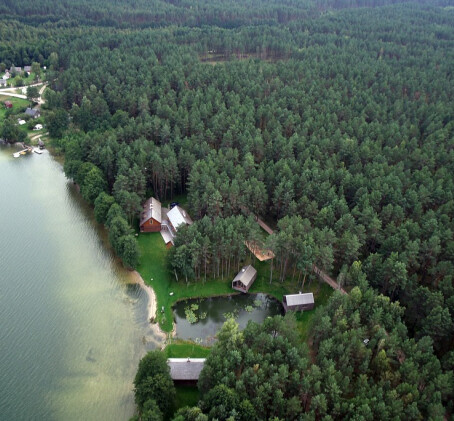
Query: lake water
{"points": [[72, 327], [243, 307]]}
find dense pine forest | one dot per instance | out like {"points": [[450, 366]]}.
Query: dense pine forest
{"points": [[332, 120]]}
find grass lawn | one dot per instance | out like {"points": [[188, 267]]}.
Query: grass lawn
{"points": [[186, 396], [184, 349], [154, 271], [19, 105]]}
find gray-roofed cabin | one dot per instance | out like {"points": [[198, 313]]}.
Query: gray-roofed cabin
{"points": [[150, 218], [298, 302], [244, 279], [32, 112], [185, 370]]}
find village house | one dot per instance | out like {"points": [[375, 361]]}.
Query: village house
{"points": [[244, 279], [150, 220], [6, 75], [185, 370], [15, 69], [156, 218], [28, 69], [298, 302], [8, 104], [21, 122], [32, 112], [38, 127]]}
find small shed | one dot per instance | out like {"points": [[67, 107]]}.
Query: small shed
{"points": [[298, 302], [38, 127], [8, 104], [21, 122], [244, 279], [150, 219], [3, 82], [185, 370]]}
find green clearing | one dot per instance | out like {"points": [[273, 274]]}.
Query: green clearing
{"points": [[186, 396], [153, 269], [184, 349], [19, 105]]}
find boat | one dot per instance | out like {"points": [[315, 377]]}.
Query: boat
{"points": [[38, 151], [16, 154]]}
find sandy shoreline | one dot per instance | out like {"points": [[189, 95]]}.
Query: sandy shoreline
{"points": [[151, 306]]}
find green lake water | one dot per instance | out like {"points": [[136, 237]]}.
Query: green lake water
{"points": [[72, 327]]}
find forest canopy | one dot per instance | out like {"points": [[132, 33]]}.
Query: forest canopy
{"points": [[332, 119]]}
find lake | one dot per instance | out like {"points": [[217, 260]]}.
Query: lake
{"points": [[212, 313], [73, 327]]}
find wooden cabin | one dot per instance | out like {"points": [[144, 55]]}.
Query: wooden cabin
{"points": [[298, 302], [185, 370], [150, 219], [244, 279]]}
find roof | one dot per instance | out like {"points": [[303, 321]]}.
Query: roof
{"points": [[31, 112], [246, 275], [151, 209], [299, 299], [8, 103], [178, 216], [185, 368], [27, 68]]}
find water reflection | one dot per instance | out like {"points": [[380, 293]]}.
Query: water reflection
{"points": [[211, 313]]}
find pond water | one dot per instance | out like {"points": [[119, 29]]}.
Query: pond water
{"points": [[73, 327], [212, 313]]}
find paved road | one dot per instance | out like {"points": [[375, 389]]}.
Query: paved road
{"points": [[10, 92]]}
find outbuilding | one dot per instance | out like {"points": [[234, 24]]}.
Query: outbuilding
{"points": [[244, 279], [38, 127], [298, 302], [8, 104], [185, 370], [150, 219]]}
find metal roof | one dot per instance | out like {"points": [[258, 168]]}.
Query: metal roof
{"points": [[185, 368], [299, 299], [178, 216], [151, 209], [246, 275]]}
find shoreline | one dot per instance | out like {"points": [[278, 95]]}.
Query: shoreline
{"points": [[152, 306]]}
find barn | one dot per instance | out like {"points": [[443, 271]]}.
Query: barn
{"points": [[150, 219], [298, 302], [185, 370], [244, 279]]}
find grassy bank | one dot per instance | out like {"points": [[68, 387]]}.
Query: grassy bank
{"points": [[184, 349], [154, 271]]}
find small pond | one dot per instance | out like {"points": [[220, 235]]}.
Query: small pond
{"points": [[211, 313]]}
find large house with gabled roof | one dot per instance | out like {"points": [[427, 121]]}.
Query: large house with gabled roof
{"points": [[156, 218]]}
